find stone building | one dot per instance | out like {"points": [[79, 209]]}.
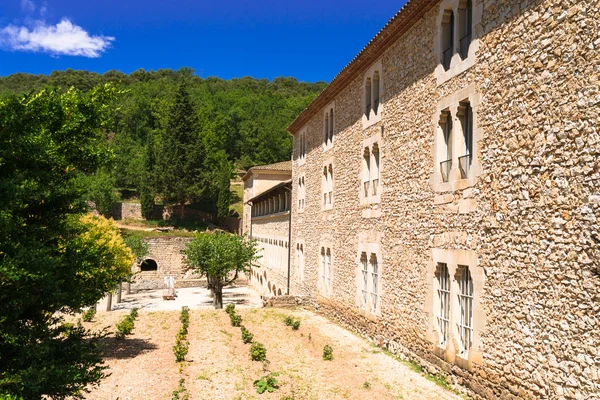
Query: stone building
{"points": [[446, 191], [267, 197]]}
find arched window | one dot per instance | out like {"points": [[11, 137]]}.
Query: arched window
{"points": [[375, 169], [149, 265], [326, 129], [465, 22], [376, 92], [366, 171], [331, 126], [447, 38], [446, 129]]}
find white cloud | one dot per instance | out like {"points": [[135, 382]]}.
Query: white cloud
{"points": [[27, 6], [64, 38]]}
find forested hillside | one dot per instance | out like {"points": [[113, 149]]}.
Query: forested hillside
{"points": [[219, 125]]}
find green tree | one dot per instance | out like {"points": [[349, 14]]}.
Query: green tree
{"points": [[181, 173], [220, 256], [99, 188], [146, 191], [223, 180], [52, 261]]}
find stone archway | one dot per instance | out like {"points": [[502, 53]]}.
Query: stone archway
{"points": [[148, 265]]}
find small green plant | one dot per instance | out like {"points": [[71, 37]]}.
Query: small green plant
{"points": [[125, 327], [180, 390], [181, 349], [236, 320], [267, 383], [230, 308], [288, 321], [89, 314], [327, 353], [309, 336], [133, 313], [258, 352], [246, 335], [366, 385], [296, 324]]}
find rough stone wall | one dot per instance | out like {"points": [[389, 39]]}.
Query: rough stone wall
{"points": [[134, 211], [167, 252], [270, 276], [533, 211]]}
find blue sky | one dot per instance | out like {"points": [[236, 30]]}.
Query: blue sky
{"points": [[310, 40]]}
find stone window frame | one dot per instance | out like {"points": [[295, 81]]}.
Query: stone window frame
{"points": [[370, 249], [301, 196], [457, 64], [327, 185], [326, 243], [300, 259], [373, 116], [451, 351], [329, 117], [301, 147], [451, 104], [370, 143]]}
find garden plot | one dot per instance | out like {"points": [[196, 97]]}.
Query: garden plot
{"points": [[218, 363]]}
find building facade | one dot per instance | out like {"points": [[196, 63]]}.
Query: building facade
{"points": [[267, 198], [446, 192]]}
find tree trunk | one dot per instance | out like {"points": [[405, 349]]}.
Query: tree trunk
{"points": [[119, 291], [109, 302], [128, 288], [218, 296]]}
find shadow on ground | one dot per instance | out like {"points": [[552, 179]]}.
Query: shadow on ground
{"points": [[126, 348]]}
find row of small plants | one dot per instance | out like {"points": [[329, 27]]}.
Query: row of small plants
{"points": [[258, 352], [295, 324], [181, 344], [125, 326]]}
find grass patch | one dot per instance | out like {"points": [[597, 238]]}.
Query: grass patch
{"points": [[237, 199]]}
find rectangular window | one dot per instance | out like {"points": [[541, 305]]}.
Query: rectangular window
{"points": [[465, 326], [465, 113], [364, 278], [444, 302], [366, 175], [374, 283], [323, 267], [375, 169]]}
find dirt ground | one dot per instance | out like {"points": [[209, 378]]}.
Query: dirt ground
{"points": [[218, 365]]}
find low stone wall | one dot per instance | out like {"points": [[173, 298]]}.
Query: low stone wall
{"points": [[134, 211], [158, 284], [284, 301]]}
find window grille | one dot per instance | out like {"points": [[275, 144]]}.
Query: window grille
{"points": [[375, 282], [465, 326], [365, 278], [444, 298]]}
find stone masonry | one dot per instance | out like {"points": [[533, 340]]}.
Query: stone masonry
{"points": [[524, 220]]}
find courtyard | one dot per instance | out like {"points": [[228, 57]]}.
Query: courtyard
{"points": [[218, 365]]}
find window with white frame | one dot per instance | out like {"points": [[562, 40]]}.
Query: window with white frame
{"points": [[465, 325], [301, 193], [370, 190], [327, 186], [301, 148], [368, 287], [326, 269], [300, 260], [372, 95], [455, 142], [465, 27], [443, 290]]}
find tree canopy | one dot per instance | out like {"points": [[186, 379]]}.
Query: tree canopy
{"points": [[220, 256], [53, 258]]}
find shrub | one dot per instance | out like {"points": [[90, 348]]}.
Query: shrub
{"points": [[366, 385], [258, 352], [296, 324], [327, 353], [230, 308], [236, 320], [267, 383], [288, 320], [246, 335], [134, 313], [89, 314], [124, 327]]}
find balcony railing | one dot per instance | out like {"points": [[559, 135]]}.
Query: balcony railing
{"points": [[464, 164], [445, 169], [448, 53], [464, 46]]}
